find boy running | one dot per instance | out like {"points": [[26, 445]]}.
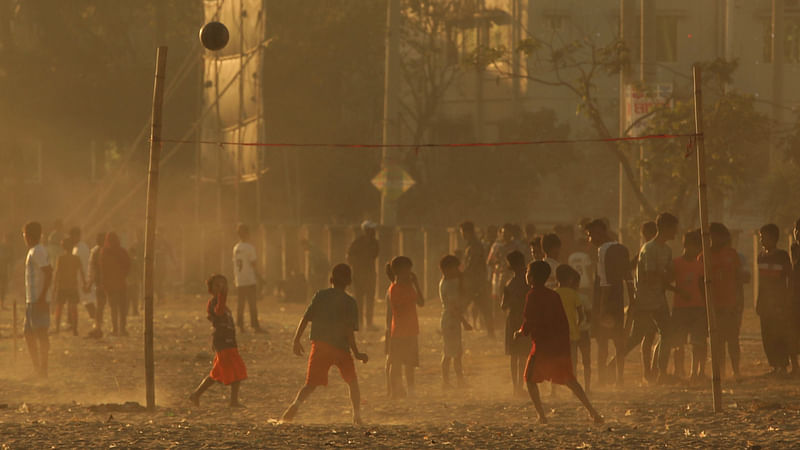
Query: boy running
{"points": [[228, 369], [334, 320], [547, 325]]}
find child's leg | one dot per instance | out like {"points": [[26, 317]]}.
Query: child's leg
{"points": [[602, 359], [113, 304], [679, 356], [619, 349], [514, 367], [576, 388], [388, 375], [33, 348], [648, 359], [355, 400], [57, 318], [302, 395], [396, 375], [410, 380], [235, 393], [445, 370], [44, 350], [204, 385], [73, 316], [533, 392], [699, 353], [123, 313], [585, 346], [458, 369]]}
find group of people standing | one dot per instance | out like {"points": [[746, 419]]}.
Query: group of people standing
{"points": [[97, 277]]}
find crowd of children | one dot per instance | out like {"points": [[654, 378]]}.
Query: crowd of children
{"points": [[552, 310]]}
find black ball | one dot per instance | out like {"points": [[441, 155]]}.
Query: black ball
{"points": [[214, 36]]}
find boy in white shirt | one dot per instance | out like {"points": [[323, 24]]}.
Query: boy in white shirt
{"points": [[38, 277], [246, 278]]}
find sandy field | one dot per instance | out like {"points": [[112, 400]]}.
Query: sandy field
{"points": [[70, 409]]}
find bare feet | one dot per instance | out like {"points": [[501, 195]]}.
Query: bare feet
{"points": [[542, 420], [598, 419], [357, 421], [237, 405], [195, 399]]}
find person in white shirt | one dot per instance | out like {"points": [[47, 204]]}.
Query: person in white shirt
{"points": [[38, 278], [551, 245], [82, 251], [246, 278]]}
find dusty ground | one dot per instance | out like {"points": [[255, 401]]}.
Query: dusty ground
{"points": [[61, 412]]}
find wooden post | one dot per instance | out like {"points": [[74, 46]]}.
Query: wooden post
{"points": [[716, 384], [14, 330], [150, 223]]}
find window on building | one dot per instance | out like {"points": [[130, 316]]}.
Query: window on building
{"points": [[791, 39], [666, 38], [556, 22]]}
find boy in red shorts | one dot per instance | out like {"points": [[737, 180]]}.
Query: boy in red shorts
{"points": [[334, 319], [546, 323]]}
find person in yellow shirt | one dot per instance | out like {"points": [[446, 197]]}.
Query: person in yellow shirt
{"points": [[568, 281]]}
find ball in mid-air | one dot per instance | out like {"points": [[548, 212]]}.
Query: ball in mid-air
{"points": [[214, 36]]}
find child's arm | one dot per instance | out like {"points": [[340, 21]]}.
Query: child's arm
{"points": [[83, 276], [297, 347], [420, 298], [351, 339]]}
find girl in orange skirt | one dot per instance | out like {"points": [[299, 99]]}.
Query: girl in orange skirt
{"points": [[228, 366]]}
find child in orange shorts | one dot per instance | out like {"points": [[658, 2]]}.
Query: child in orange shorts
{"points": [[546, 323], [228, 369], [334, 319]]}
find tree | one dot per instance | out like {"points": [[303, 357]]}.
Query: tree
{"points": [[736, 137]]}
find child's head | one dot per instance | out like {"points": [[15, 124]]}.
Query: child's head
{"points": [[341, 276], [66, 245], [75, 234], [667, 225], [243, 231], [648, 231], [401, 266], [719, 234], [516, 261], [538, 273], [692, 243], [551, 245], [770, 235], [32, 232], [389, 272], [216, 283], [467, 230], [597, 232], [567, 276], [449, 266]]}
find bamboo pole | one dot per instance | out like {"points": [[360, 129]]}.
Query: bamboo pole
{"points": [[14, 330], [150, 223], [716, 384]]}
